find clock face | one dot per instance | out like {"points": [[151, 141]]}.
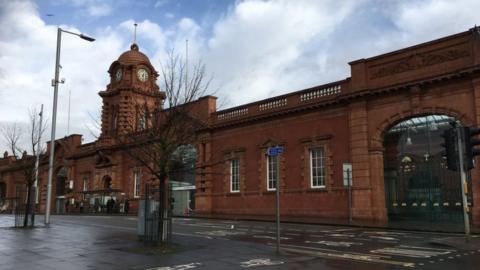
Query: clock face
{"points": [[142, 75], [118, 74]]}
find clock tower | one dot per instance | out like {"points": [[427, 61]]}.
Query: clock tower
{"points": [[132, 95]]}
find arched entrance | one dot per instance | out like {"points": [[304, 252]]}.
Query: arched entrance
{"points": [[182, 179], [107, 182], [3, 191], [418, 187]]}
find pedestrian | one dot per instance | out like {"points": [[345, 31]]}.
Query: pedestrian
{"points": [[126, 206], [66, 206], [109, 206], [81, 207]]}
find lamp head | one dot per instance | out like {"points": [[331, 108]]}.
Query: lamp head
{"points": [[82, 36]]}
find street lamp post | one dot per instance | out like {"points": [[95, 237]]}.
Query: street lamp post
{"points": [[55, 83]]}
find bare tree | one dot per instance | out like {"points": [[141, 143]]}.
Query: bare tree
{"points": [[156, 134], [94, 126], [12, 135]]}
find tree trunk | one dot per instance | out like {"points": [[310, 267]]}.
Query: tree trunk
{"points": [[161, 210]]}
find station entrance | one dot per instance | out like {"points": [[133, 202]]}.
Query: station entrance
{"points": [[418, 186]]}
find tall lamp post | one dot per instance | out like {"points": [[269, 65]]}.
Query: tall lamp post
{"points": [[55, 83]]}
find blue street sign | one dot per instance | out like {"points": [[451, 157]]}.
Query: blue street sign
{"points": [[275, 151]]}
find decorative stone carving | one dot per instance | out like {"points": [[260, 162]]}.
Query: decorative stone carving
{"points": [[418, 61]]}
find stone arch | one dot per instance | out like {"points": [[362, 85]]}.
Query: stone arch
{"points": [[376, 141]]}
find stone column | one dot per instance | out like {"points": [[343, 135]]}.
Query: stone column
{"points": [[203, 180], [377, 182], [358, 126]]}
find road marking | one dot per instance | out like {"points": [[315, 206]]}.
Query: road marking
{"points": [[385, 233], [386, 238], [341, 235], [259, 262], [334, 243], [270, 237], [177, 267], [193, 235], [411, 252], [349, 256], [220, 233], [293, 234]]}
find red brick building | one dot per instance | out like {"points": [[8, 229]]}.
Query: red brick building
{"points": [[382, 125]]}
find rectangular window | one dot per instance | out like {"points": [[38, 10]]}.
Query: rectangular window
{"points": [[272, 172], [317, 167], [235, 175], [137, 185]]}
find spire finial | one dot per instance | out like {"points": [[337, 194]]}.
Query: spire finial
{"points": [[135, 33]]}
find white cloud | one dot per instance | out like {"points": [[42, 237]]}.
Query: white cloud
{"points": [[94, 8], [160, 3], [256, 48], [99, 10]]}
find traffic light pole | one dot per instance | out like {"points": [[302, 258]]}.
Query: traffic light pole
{"points": [[463, 178]]}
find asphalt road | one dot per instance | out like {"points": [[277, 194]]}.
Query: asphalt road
{"points": [[315, 246], [227, 244]]}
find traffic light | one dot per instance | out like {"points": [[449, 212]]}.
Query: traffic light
{"points": [[450, 145], [469, 134]]}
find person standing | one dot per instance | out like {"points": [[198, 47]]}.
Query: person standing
{"points": [[126, 206]]}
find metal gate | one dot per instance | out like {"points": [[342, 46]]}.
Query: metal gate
{"points": [[20, 207], [418, 186], [157, 215], [419, 190]]}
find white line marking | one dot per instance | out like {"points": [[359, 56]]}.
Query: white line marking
{"points": [[349, 256], [177, 267], [412, 253], [270, 237], [259, 262], [334, 243]]}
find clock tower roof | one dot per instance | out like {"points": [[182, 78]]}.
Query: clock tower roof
{"points": [[133, 56]]}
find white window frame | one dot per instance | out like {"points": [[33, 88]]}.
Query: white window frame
{"points": [[136, 182], [235, 175], [277, 175], [320, 167]]}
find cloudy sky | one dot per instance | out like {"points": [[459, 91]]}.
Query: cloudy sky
{"points": [[254, 49]]}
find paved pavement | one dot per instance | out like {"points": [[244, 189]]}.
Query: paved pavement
{"points": [[108, 242]]}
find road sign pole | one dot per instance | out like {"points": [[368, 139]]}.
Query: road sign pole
{"points": [[277, 192], [275, 152], [349, 178], [463, 179]]}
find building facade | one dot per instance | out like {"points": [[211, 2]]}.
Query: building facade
{"points": [[380, 129]]}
